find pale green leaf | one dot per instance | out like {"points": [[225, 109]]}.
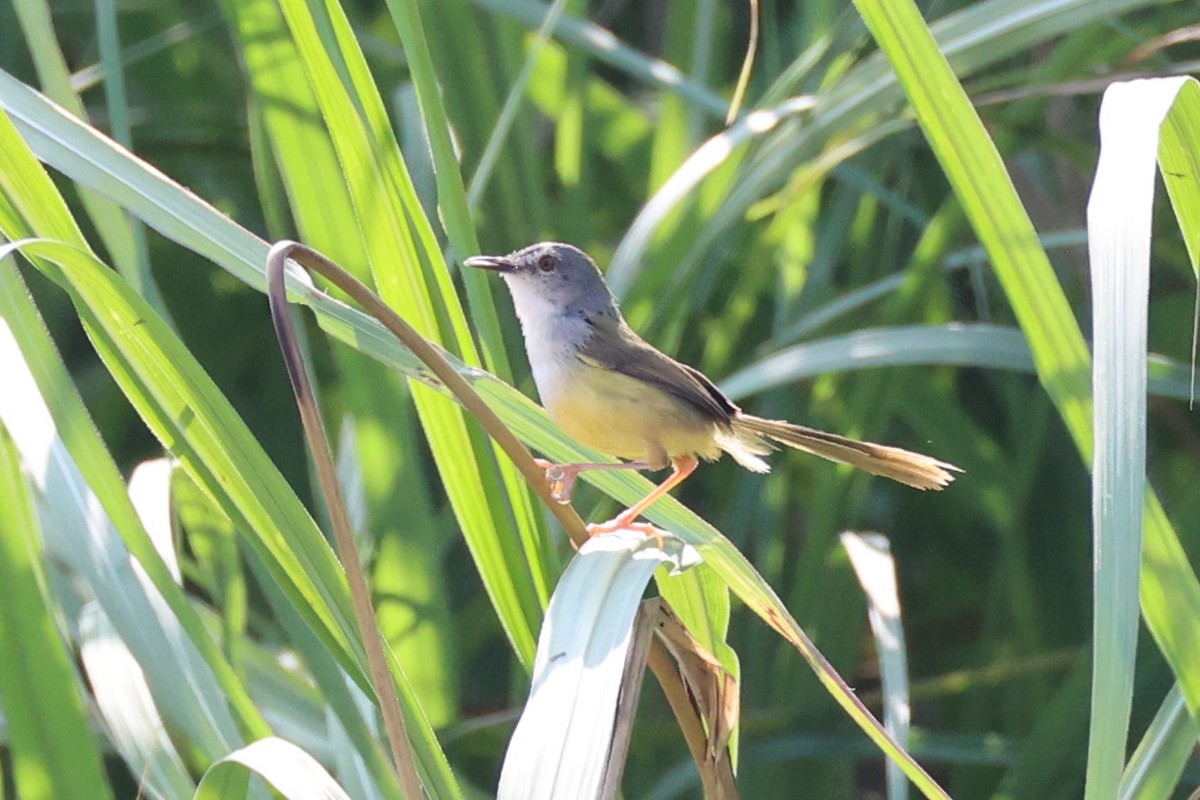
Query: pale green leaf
{"points": [[561, 745], [289, 770], [53, 754]]}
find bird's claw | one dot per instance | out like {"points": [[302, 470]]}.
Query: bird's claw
{"points": [[561, 480], [619, 523]]}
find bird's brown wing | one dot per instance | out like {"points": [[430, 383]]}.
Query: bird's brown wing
{"points": [[622, 350]]}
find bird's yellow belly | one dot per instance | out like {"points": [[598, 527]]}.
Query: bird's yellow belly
{"points": [[623, 416]]}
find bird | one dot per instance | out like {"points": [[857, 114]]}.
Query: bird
{"points": [[607, 387]]}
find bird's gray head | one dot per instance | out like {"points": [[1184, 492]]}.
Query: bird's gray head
{"points": [[550, 280]]}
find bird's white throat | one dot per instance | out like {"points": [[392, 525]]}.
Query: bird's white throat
{"points": [[552, 338]]}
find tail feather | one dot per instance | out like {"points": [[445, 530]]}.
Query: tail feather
{"points": [[913, 469]]}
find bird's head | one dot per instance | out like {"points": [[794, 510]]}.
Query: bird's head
{"points": [[550, 279]]}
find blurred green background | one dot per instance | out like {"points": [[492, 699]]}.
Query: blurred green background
{"points": [[832, 225]]}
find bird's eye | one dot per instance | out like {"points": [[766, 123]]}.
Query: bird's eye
{"points": [[547, 263]]}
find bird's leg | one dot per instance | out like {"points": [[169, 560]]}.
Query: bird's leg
{"points": [[684, 466], [562, 476]]}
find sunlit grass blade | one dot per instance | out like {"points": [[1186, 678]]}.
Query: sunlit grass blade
{"points": [[455, 215], [410, 275], [701, 163], [951, 344], [408, 568], [1165, 749], [124, 701], [1119, 212], [1141, 123], [864, 102], [93, 524], [122, 236], [180, 404], [290, 771], [182, 217], [53, 754], [871, 556]]}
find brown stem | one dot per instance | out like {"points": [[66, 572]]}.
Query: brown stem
{"points": [[403, 755]]}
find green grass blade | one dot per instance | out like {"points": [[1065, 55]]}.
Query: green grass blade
{"points": [[123, 237], [410, 276], [53, 752], [290, 771], [561, 745], [181, 216], [185, 410], [1165, 749], [1119, 247], [1119, 222], [87, 543], [124, 701], [601, 44], [951, 344], [412, 602], [194, 702], [871, 556], [184, 218]]}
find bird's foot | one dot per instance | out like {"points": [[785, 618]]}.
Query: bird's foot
{"points": [[561, 478], [620, 523]]}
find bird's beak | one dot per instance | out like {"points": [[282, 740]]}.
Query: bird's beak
{"points": [[494, 263]]}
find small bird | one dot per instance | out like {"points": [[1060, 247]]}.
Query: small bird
{"points": [[607, 387]]}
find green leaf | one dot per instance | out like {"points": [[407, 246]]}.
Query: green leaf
{"points": [[183, 407], [412, 601], [1119, 227], [410, 275], [951, 344], [561, 746], [1166, 747], [184, 218], [53, 752], [93, 525], [289, 770], [871, 556]]}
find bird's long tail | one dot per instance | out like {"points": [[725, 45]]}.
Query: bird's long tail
{"points": [[914, 469]]}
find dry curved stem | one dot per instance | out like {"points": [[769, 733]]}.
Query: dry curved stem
{"points": [[663, 644], [403, 756]]}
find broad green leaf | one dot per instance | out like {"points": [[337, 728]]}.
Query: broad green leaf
{"points": [[561, 746]]}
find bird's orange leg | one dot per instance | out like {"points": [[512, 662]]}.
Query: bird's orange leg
{"points": [[684, 466], [562, 476]]}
